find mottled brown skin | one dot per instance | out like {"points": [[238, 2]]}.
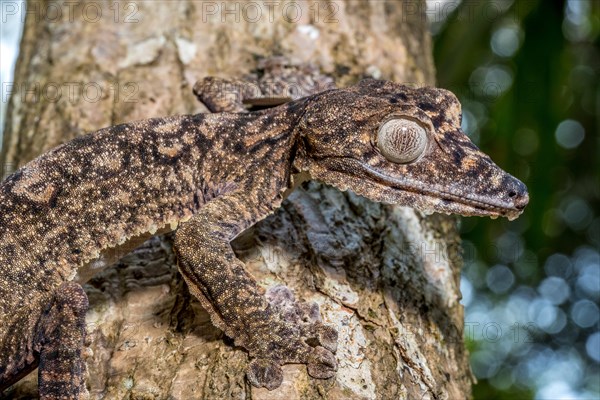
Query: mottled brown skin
{"points": [[215, 175]]}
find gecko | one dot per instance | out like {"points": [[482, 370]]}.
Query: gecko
{"points": [[209, 177]]}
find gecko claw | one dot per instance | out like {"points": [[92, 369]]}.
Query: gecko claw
{"points": [[264, 373]]}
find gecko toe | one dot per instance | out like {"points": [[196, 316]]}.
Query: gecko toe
{"points": [[264, 373], [327, 337], [322, 363]]}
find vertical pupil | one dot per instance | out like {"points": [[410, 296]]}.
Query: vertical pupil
{"points": [[403, 139]]}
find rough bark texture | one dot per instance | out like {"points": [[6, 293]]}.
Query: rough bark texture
{"points": [[387, 278]]}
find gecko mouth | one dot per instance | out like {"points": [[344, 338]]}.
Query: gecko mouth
{"points": [[432, 198]]}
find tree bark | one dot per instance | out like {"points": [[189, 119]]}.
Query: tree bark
{"points": [[386, 277]]}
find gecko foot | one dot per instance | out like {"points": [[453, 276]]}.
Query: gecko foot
{"points": [[297, 336]]}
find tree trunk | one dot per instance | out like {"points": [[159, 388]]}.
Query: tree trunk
{"points": [[386, 277]]}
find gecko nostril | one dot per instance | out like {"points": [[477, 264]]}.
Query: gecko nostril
{"points": [[519, 200], [512, 194]]}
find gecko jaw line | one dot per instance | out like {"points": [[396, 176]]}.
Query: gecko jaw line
{"points": [[498, 208]]}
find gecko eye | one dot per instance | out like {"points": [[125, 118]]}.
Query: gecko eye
{"points": [[401, 140]]}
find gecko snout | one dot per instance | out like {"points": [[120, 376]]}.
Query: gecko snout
{"points": [[518, 194]]}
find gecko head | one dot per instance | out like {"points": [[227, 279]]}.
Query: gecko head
{"points": [[399, 145]]}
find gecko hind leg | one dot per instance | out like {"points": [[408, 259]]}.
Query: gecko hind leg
{"points": [[59, 342]]}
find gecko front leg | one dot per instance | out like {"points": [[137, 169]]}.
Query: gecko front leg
{"points": [[274, 332]]}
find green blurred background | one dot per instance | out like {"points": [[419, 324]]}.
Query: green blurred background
{"points": [[526, 73]]}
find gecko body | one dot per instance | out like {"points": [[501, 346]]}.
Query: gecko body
{"points": [[65, 215]]}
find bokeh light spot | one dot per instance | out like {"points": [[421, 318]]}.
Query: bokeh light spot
{"points": [[589, 278], [491, 82], [558, 265], [499, 278], [506, 40], [543, 313], [585, 313], [592, 346], [569, 134], [576, 213], [554, 289], [466, 289]]}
